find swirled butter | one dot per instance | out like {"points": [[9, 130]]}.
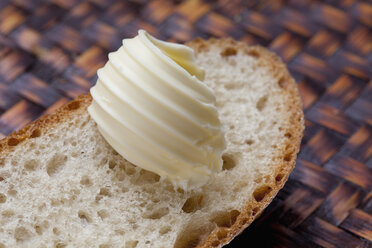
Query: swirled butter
{"points": [[151, 106]]}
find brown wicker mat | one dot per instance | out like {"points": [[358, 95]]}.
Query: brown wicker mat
{"points": [[50, 51]]}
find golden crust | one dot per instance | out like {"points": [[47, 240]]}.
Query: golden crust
{"points": [[264, 195], [285, 163], [45, 123]]}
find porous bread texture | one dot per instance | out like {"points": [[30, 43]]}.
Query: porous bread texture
{"points": [[62, 185]]}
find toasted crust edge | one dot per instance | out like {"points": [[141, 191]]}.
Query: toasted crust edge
{"points": [[47, 122], [221, 236]]}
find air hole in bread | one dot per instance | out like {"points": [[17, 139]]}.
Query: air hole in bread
{"points": [[73, 105], [279, 177], [215, 243], [2, 198], [130, 169], [60, 245], [222, 233], [3, 176], [169, 187], [2, 162], [261, 103], [228, 51], [288, 157], [103, 214], [226, 219], [260, 193], [228, 162], [36, 133], [104, 192], [181, 191], [56, 231], [13, 142], [82, 125], [119, 231], [254, 53], [244, 220], [84, 216], [282, 82], [131, 244], [56, 164], [112, 164], [193, 203], [148, 177], [120, 175], [30, 165], [188, 241], [54, 202], [165, 229], [85, 180], [249, 142], [22, 234], [2, 245], [288, 135], [254, 211], [38, 229], [156, 213], [7, 213]]}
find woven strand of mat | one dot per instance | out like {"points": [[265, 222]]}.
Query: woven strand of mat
{"points": [[50, 51]]}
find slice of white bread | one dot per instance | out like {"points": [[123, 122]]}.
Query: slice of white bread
{"points": [[62, 185]]}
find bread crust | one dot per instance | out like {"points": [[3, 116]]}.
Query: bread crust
{"points": [[220, 235], [43, 124]]}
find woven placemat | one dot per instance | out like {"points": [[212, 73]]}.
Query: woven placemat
{"points": [[50, 51]]}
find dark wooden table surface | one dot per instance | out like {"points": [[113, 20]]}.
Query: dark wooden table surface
{"points": [[50, 51]]}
